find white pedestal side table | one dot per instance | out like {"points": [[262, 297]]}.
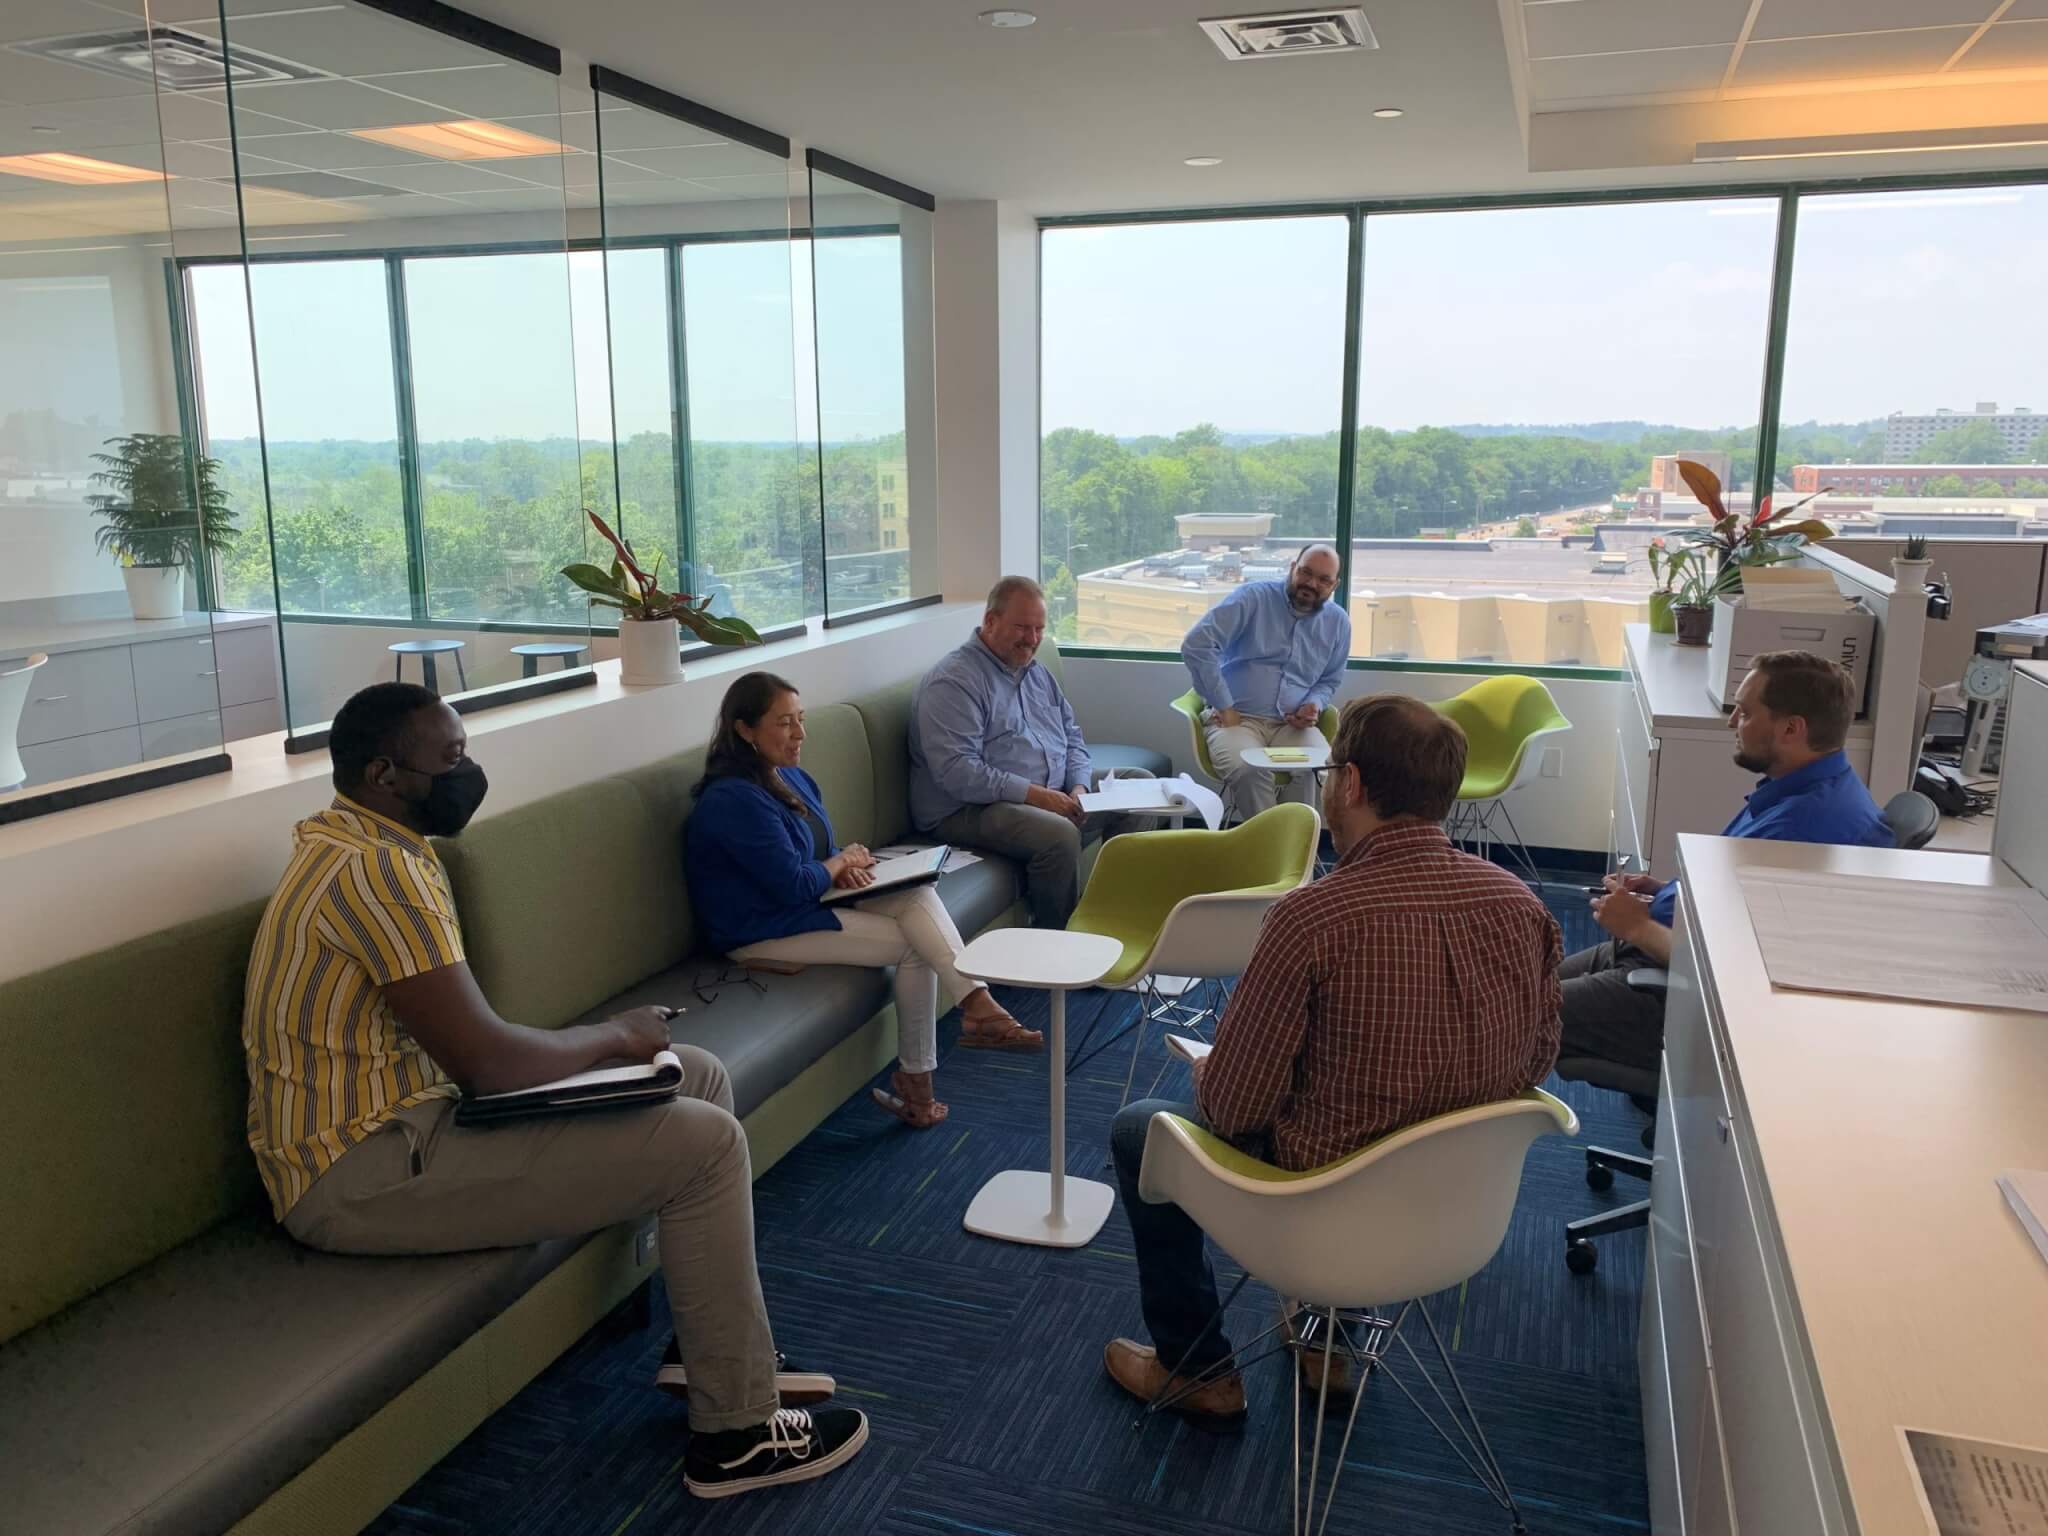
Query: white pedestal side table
{"points": [[1021, 1206]]}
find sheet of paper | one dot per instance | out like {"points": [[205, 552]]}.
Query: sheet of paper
{"points": [[1179, 795], [1961, 945], [1188, 1048], [959, 858], [2027, 1193], [1978, 1487]]}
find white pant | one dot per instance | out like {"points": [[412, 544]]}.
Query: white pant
{"points": [[1247, 790], [910, 930]]}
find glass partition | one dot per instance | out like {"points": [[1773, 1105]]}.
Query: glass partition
{"points": [[871, 296], [412, 416], [712, 472], [113, 671]]}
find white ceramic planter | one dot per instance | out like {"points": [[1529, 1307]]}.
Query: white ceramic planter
{"points": [[1910, 575], [650, 652], [155, 591]]}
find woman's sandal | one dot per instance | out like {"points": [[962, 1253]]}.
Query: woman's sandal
{"points": [[912, 1102], [999, 1032]]}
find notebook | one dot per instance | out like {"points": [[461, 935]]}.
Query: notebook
{"points": [[605, 1088], [1188, 1049], [900, 874]]}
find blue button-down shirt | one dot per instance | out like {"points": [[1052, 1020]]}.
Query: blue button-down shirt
{"points": [[1824, 802], [983, 732], [1253, 653]]}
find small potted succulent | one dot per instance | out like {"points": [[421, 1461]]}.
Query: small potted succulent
{"points": [[1664, 571], [651, 620], [1693, 591], [1910, 566]]}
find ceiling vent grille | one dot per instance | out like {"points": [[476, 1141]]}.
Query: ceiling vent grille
{"points": [[183, 61], [1286, 34]]}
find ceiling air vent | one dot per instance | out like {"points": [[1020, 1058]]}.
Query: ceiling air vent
{"points": [[184, 61], [1286, 33]]}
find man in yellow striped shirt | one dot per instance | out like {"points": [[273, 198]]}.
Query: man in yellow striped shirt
{"points": [[362, 1026]]}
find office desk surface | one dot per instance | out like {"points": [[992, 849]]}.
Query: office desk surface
{"points": [[1880, 1127]]}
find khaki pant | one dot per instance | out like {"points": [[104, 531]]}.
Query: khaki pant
{"points": [[1045, 842], [910, 930], [1247, 790], [423, 1184]]}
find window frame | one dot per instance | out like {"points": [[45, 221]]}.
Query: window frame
{"points": [[190, 407], [1360, 212]]}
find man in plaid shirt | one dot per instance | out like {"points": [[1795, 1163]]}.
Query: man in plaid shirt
{"points": [[1410, 981]]}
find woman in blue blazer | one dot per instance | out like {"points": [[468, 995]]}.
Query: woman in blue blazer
{"points": [[759, 854]]}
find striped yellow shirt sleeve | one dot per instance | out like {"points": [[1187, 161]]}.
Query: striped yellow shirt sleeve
{"points": [[391, 911]]}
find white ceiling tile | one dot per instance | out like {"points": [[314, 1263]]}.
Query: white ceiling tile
{"points": [[350, 42], [1822, 18], [1628, 74], [28, 81], [439, 176], [511, 200], [2009, 45], [1561, 28], [340, 104], [317, 151], [1820, 60], [24, 19], [514, 91], [629, 128], [706, 161]]}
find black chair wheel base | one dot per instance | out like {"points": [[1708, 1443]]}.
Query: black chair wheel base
{"points": [[1599, 1178], [1581, 1257]]}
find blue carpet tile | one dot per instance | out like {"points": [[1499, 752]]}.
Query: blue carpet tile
{"points": [[979, 1363]]}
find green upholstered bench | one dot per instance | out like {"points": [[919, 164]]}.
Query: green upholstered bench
{"points": [[172, 1362]]}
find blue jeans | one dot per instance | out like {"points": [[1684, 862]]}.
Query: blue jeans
{"points": [[1176, 1285]]}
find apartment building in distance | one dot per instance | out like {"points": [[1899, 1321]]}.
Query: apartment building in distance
{"points": [[1906, 435]]}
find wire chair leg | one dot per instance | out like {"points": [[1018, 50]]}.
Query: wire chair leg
{"points": [[1463, 1434]]}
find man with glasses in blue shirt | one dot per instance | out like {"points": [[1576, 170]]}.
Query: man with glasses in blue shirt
{"points": [[1267, 661], [1791, 717]]}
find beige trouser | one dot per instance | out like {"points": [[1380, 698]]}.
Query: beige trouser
{"points": [[910, 930], [1248, 790], [423, 1184]]}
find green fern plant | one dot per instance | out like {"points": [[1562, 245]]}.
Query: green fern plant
{"points": [[159, 506]]}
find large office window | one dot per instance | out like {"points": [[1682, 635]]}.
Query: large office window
{"points": [[1192, 387], [494, 404], [1915, 358], [625, 402], [328, 425], [1527, 379]]}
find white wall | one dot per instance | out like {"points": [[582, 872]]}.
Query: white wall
{"points": [[1127, 701], [193, 849]]}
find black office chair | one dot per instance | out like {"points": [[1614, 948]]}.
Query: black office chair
{"points": [[1581, 1256], [1912, 817]]}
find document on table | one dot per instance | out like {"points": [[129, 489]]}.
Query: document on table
{"points": [[2027, 1194], [959, 858], [1976, 1487], [1178, 796], [1972, 946]]}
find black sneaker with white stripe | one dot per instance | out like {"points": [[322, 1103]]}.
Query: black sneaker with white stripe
{"points": [[799, 1388], [792, 1447]]}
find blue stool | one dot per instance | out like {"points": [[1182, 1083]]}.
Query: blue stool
{"points": [[531, 656], [427, 650]]}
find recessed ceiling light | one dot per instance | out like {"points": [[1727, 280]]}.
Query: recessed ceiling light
{"points": [[1203, 160], [76, 170], [1009, 18], [1386, 112], [464, 140]]}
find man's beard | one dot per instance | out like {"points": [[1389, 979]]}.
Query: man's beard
{"points": [[1304, 600], [1749, 764]]}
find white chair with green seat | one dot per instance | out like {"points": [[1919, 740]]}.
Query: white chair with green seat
{"points": [[1190, 704], [1418, 1211], [1189, 904], [1505, 719]]}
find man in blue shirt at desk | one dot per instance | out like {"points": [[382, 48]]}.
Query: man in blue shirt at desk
{"points": [[996, 756], [1791, 717], [1267, 661]]}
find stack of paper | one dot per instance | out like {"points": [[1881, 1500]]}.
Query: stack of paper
{"points": [[2028, 1195], [1795, 588]]}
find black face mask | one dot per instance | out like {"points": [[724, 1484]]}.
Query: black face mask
{"points": [[452, 796]]}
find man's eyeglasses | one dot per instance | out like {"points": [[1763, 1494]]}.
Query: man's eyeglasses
{"points": [[708, 983]]}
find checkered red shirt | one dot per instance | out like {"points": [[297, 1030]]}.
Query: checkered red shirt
{"points": [[1409, 981]]}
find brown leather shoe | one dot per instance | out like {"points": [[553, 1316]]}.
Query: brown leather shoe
{"points": [[1216, 1405], [1308, 1356]]}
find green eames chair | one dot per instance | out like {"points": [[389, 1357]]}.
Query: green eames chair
{"points": [[1504, 719]]}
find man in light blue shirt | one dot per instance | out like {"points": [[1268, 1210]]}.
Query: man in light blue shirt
{"points": [[996, 756], [1790, 719], [1267, 661]]}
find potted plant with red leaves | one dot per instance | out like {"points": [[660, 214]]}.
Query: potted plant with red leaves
{"points": [[1770, 536], [651, 620]]}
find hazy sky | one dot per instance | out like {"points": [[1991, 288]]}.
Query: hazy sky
{"points": [[514, 346], [1652, 312]]}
